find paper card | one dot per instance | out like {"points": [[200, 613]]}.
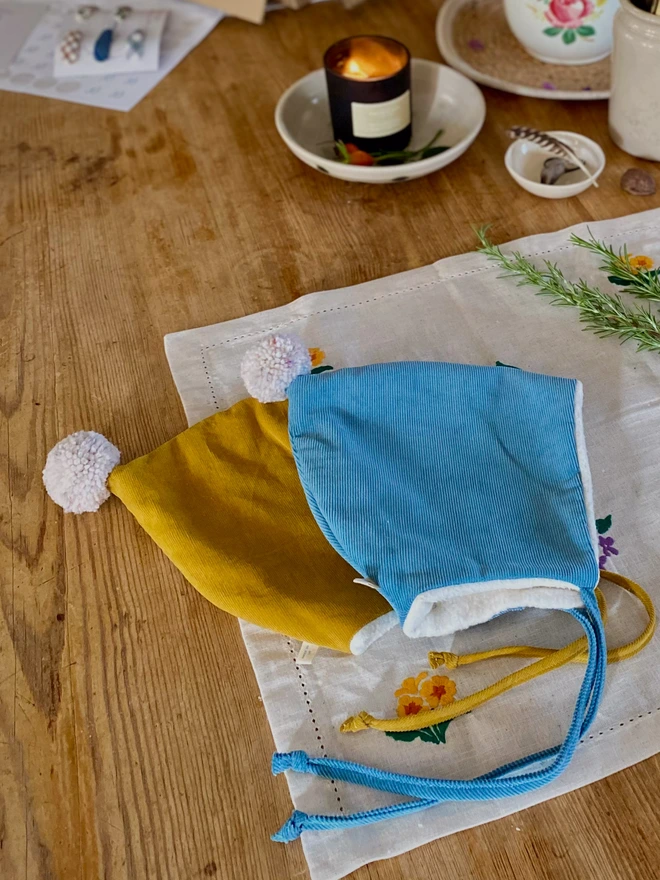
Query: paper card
{"points": [[250, 10], [17, 20], [122, 58]]}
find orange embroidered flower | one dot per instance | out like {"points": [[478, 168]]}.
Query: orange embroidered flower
{"points": [[409, 706], [410, 685], [317, 356], [438, 691], [640, 263]]}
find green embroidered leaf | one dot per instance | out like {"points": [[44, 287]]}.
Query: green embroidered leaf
{"points": [[604, 525], [569, 37], [625, 282], [428, 736], [586, 31], [440, 730], [404, 735], [434, 734], [552, 31], [322, 369], [501, 364]]}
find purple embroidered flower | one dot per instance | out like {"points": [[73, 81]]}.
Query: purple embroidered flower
{"points": [[548, 86], [608, 548], [476, 45]]}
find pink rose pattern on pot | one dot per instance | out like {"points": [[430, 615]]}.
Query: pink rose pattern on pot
{"points": [[568, 13], [567, 17]]}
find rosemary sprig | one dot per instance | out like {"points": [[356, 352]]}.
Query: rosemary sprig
{"points": [[600, 312], [645, 285]]}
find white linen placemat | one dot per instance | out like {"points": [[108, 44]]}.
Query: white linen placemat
{"points": [[459, 310]]}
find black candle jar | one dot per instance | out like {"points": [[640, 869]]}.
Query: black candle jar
{"points": [[369, 92]]}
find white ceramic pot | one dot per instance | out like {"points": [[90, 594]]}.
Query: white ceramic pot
{"points": [[635, 101], [563, 31]]}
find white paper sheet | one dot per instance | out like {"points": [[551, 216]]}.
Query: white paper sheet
{"points": [[17, 20], [32, 71], [459, 309]]}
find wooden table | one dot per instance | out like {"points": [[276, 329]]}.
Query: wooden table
{"points": [[133, 743]]}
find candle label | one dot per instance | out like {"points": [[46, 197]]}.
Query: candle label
{"points": [[381, 119]]}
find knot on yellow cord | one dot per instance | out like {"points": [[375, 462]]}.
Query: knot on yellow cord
{"points": [[357, 722], [443, 658]]}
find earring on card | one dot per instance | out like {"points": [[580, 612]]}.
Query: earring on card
{"points": [[70, 46], [83, 13], [104, 39], [135, 42], [103, 44]]}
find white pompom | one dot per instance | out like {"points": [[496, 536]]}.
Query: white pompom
{"points": [[77, 469], [269, 368]]}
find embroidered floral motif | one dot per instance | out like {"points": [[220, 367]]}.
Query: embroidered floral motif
{"points": [[318, 356], [608, 548], [606, 544], [641, 261], [421, 693], [640, 265], [409, 706], [438, 691]]}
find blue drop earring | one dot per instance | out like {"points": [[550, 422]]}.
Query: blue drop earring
{"points": [[104, 40], [102, 45]]}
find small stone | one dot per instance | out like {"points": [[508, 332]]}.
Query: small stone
{"points": [[638, 182], [553, 169]]}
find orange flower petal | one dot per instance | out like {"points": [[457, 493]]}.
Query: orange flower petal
{"points": [[317, 356], [640, 261]]}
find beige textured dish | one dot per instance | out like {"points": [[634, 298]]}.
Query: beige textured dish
{"points": [[474, 37]]}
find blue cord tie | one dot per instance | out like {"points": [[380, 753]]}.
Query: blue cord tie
{"points": [[502, 445], [505, 781]]}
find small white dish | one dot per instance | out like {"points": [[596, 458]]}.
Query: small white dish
{"points": [[524, 161], [442, 98]]}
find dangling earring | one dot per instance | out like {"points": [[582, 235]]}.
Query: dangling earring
{"points": [[70, 46]]}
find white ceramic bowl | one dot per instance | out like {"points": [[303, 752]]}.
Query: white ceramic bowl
{"points": [[524, 161], [563, 31], [441, 97]]}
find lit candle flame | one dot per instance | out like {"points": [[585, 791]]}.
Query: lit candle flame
{"points": [[369, 58]]}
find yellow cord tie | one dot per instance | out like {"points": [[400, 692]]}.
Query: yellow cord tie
{"points": [[551, 658]]}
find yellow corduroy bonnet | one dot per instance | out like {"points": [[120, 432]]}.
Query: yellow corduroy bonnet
{"points": [[224, 502]]}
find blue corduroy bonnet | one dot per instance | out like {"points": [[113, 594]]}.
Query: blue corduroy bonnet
{"points": [[459, 492]]}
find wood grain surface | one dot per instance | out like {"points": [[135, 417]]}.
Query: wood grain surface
{"points": [[133, 743]]}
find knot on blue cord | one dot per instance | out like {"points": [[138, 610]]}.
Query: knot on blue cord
{"points": [[282, 761], [292, 828]]}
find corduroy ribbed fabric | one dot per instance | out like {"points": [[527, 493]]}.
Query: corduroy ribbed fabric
{"points": [[435, 479], [461, 491], [224, 502]]}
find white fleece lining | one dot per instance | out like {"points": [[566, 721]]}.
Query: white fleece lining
{"points": [[447, 610], [585, 472], [366, 636]]}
